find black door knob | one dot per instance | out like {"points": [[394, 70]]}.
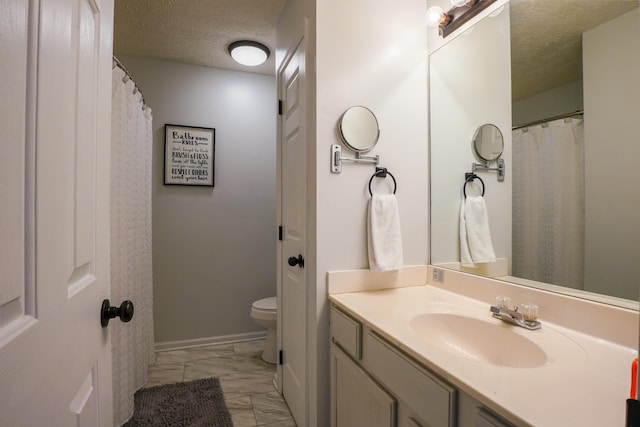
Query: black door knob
{"points": [[124, 312], [299, 261]]}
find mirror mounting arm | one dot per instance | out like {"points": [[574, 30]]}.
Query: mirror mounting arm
{"points": [[501, 169], [337, 159]]}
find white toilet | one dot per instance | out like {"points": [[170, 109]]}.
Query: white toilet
{"points": [[265, 313]]}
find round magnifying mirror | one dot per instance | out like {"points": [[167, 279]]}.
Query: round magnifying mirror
{"points": [[488, 142], [359, 129]]}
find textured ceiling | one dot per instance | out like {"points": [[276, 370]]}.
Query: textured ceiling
{"points": [[546, 34], [546, 40], [195, 31]]}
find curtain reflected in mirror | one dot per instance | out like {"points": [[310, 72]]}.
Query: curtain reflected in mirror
{"points": [[548, 202]]}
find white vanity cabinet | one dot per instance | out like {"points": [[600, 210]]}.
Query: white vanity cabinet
{"points": [[356, 399], [374, 383]]}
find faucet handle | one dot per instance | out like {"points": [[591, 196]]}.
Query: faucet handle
{"points": [[503, 302], [529, 312]]}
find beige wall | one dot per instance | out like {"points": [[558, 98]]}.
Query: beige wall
{"points": [[213, 248], [612, 198], [560, 100]]}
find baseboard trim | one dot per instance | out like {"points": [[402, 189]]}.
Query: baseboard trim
{"points": [[200, 342]]}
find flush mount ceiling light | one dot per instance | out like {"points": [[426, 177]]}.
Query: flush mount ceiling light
{"points": [[248, 52]]}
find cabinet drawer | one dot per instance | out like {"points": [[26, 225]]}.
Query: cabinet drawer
{"points": [[346, 332], [430, 398]]}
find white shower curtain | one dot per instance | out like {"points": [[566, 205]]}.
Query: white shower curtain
{"points": [[548, 202], [131, 273]]}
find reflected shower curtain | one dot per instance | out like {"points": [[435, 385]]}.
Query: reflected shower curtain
{"points": [[131, 273], [548, 203]]}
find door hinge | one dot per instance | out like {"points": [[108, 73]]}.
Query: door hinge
{"points": [[280, 357], [280, 233], [279, 107]]}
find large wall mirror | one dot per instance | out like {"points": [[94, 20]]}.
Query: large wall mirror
{"points": [[559, 79]]}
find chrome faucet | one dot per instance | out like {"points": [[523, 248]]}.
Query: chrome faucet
{"points": [[515, 317]]}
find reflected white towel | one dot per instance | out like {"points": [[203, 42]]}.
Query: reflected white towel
{"points": [[384, 237], [475, 236]]}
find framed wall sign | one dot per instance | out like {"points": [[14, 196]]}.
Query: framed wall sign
{"points": [[188, 155]]}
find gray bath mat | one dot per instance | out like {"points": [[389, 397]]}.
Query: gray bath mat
{"points": [[198, 403]]}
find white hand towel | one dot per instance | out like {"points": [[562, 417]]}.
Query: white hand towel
{"points": [[384, 237], [465, 254], [475, 235]]}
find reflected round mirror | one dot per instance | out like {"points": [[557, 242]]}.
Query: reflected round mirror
{"points": [[488, 142], [359, 129]]}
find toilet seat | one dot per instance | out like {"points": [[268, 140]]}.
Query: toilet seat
{"points": [[265, 309], [265, 304]]}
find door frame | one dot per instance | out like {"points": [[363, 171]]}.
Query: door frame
{"points": [[299, 39]]}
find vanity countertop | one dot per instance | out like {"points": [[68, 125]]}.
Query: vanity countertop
{"points": [[584, 381]]}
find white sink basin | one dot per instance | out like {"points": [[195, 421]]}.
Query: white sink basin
{"points": [[489, 342]]}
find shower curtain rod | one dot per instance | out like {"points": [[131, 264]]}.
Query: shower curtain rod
{"points": [[117, 63], [549, 119]]}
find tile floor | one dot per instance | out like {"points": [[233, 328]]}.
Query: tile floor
{"points": [[246, 380]]}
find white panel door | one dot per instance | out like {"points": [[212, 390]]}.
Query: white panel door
{"points": [[55, 358], [293, 200]]}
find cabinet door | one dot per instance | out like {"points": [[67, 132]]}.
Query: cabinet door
{"points": [[356, 399]]}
